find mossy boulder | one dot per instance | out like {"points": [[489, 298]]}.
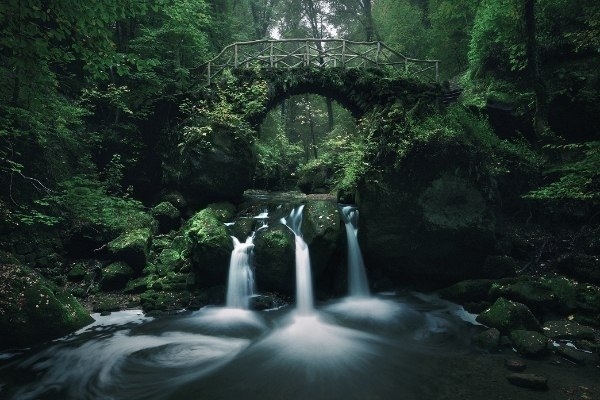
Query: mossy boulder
{"points": [[132, 247], [77, 273], [568, 330], [322, 231], [581, 266], [471, 290], [33, 310], [116, 275], [529, 343], [224, 211], [274, 261], [534, 294], [167, 215], [160, 301], [507, 316], [210, 247], [488, 339]]}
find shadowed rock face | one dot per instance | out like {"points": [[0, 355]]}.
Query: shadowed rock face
{"points": [[430, 220]]}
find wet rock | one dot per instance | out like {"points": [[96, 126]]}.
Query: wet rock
{"points": [[507, 316], [77, 273], [567, 330], [529, 343], [167, 215], [274, 261], [176, 199], [565, 293], [532, 293], [571, 354], [488, 339], [530, 381], [473, 290], [116, 275], [224, 211], [515, 365], [132, 247]]}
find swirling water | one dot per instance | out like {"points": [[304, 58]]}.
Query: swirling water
{"points": [[379, 347]]}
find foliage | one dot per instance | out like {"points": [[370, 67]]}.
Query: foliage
{"points": [[497, 41], [576, 180], [400, 26]]}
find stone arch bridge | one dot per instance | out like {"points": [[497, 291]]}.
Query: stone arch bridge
{"points": [[358, 75]]}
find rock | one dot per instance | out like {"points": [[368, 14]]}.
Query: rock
{"points": [[315, 177], [571, 354], [33, 310], [488, 339], [426, 224], [532, 293], [565, 293], [224, 211], [132, 247], [167, 215], [515, 365], [176, 199], [106, 306], [567, 330], [219, 167], [529, 343], [274, 260], [265, 302], [136, 286], [77, 273], [581, 266], [210, 247], [529, 381], [499, 267], [116, 275], [473, 290], [507, 316]]}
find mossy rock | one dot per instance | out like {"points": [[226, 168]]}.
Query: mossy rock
{"points": [[274, 260], [529, 343], [132, 247], [584, 267], [471, 290], [210, 245], [152, 301], [33, 310], [224, 211], [534, 294], [488, 339], [116, 275], [565, 293], [568, 330], [77, 273], [507, 316], [167, 215], [107, 305], [136, 286]]}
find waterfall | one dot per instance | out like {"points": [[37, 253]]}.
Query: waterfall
{"points": [[358, 285], [240, 285], [304, 291]]}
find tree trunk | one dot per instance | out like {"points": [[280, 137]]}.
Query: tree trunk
{"points": [[329, 113], [540, 119]]}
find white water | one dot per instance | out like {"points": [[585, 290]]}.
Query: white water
{"points": [[358, 286], [304, 291], [240, 285]]}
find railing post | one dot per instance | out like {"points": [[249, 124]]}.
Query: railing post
{"points": [[271, 55], [344, 53], [406, 66], [307, 54], [235, 55], [437, 71], [378, 51]]}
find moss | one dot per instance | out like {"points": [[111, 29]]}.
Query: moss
{"points": [[132, 247], [275, 259], [33, 309], [224, 211], [77, 273], [564, 291], [529, 343], [136, 286], [167, 216], [506, 316], [116, 276]]}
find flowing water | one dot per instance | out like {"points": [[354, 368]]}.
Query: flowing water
{"points": [[358, 286], [361, 347], [240, 283], [304, 291]]}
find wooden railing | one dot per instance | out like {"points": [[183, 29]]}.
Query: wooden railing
{"points": [[322, 53]]}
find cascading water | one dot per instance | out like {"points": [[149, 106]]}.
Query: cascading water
{"points": [[304, 291], [358, 285], [240, 285]]}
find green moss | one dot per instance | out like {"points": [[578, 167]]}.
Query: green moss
{"points": [[132, 247], [529, 343], [77, 273], [116, 276], [224, 211], [33, 309], [207, 229], [275, 259], [506, 316]]}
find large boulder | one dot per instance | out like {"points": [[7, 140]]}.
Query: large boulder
{"points": [[210, 247], [132, 247], [167, 215], [215, 166], [116, 275], [275, 256], [507, 316], [529, 343], [33, 310]]}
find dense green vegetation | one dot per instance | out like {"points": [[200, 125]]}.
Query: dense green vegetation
{"points": [[109, 141]]}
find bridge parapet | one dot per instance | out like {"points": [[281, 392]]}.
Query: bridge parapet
{"points": [[320, 53]]}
